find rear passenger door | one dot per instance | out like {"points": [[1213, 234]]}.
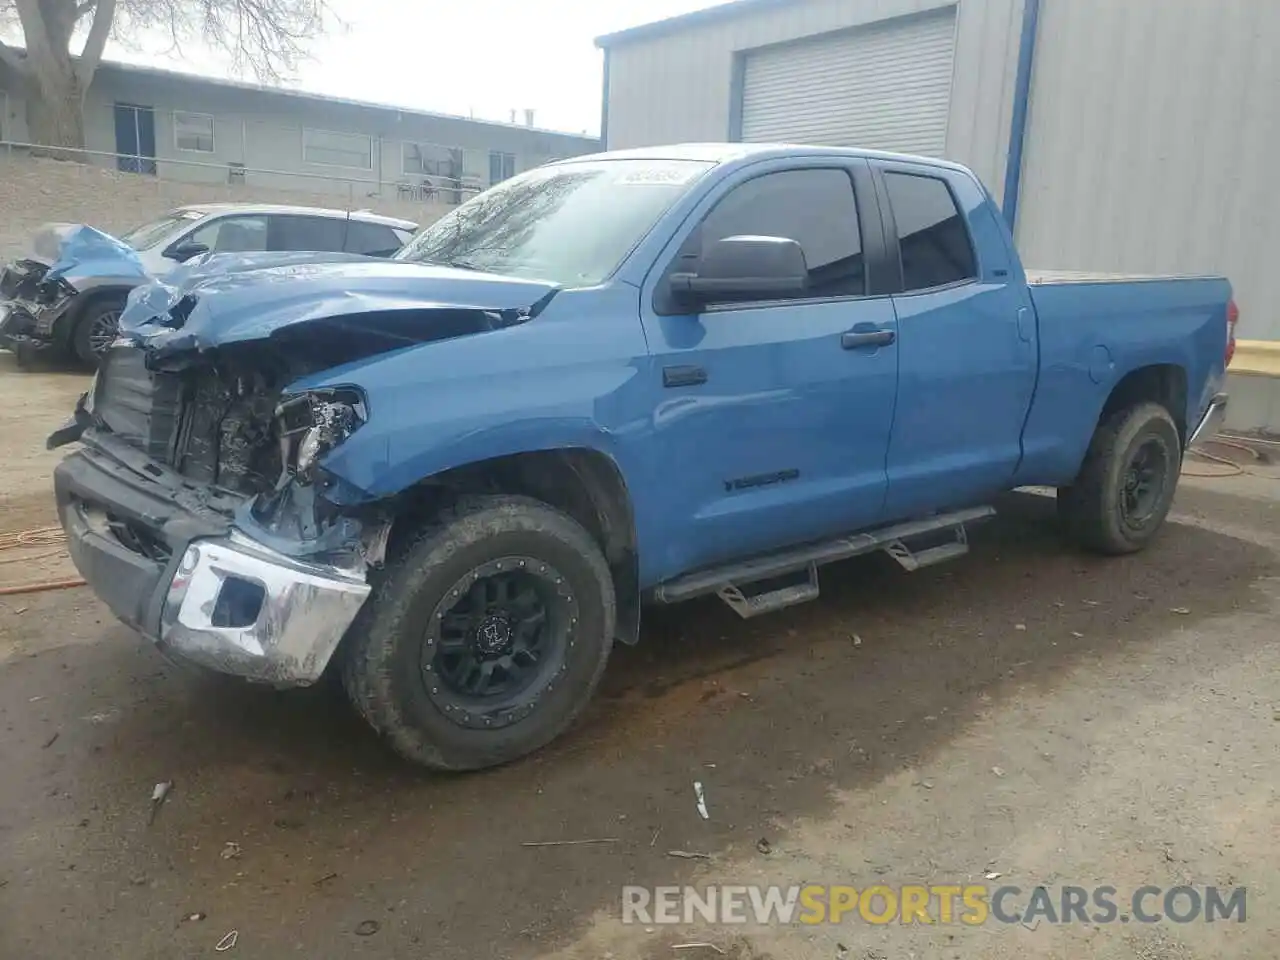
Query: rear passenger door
{"points": [[300, 232], [772, 417], [966, 342]]}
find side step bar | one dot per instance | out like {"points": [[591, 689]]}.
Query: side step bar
{"points": [[728, 581]]}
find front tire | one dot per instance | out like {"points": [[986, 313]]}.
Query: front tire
{"points": [[1125, 488], [485, 638], [96, 329]]}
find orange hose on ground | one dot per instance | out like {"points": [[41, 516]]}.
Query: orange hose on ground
{"points": [[42, 537], [39, 587]]}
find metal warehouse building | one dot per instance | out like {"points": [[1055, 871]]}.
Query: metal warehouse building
{"points": [[1118, 135]]}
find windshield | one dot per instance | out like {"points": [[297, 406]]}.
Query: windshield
{"points": [[572, 224], [149, 234]]}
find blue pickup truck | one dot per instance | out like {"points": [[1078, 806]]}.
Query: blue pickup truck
{"points": [[456, 477]]}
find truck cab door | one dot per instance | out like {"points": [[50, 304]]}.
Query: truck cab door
{"points": [[967, 350], [772, 417]]}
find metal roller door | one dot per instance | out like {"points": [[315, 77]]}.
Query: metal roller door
{"points": [[883, 87]]}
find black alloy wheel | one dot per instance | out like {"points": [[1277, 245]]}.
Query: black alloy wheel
{"points": [[497, 640]]}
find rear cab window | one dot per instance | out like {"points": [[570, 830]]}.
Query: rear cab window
{"points": [[933, 239]]}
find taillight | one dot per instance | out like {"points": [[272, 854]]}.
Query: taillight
{"points": [[1233, 317]]}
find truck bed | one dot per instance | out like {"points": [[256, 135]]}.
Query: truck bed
{"points": [[1092, 328]]}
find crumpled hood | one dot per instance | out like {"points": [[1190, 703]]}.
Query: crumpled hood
{"points": [[230, 298], [75, 250]]}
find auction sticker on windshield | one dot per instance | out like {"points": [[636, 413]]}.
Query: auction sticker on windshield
{"points": [[659, 176]]}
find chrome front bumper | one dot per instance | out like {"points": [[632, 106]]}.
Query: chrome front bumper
{"points": [[1211, 423], [203, 590], [238, 607]]}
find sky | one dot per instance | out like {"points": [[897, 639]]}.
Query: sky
{"points": [[478, 57]]}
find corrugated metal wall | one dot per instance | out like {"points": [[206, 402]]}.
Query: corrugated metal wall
{"points": [[1153, 134], [677, 86], [1152, 140]]}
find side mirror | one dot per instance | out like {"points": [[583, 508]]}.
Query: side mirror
{"points": [[183, 252], [745, 268]]}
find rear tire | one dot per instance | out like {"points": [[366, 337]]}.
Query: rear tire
{"points": [[96, 329], [1126, 485], [485, 638]]}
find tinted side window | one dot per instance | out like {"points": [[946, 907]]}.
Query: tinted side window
{"points": [[931, 232], [371, 239], [307, 233], [815, 208]]}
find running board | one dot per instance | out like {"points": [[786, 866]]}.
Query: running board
{"points": [[912, 560], [727, 582], [748, 605]]}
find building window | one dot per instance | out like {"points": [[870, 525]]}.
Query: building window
{"points": [[428, 159], [193, 132], [337, 149], [502, 166]]}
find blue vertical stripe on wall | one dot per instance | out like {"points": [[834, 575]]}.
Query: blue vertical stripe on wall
{"points": [[1021, 98]]}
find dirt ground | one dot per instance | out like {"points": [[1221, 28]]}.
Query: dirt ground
{"points": [[31, 406], [1028, 711]]}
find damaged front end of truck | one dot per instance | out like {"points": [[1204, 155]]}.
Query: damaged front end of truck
{"points": [[198, 505]]}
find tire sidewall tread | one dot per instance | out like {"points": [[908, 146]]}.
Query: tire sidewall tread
{"points": [[1088, 508], [381, 665]]}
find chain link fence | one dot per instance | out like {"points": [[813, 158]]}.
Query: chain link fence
{"points": [[115, 192]]}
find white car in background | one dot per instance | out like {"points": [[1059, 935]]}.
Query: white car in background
{"points": [[69, 294]]}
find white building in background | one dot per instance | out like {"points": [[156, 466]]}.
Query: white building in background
{"points": [[188, 128], [1117, 135]]}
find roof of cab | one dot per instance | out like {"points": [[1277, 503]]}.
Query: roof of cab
{"points": [[719, 153], [364, 216]]}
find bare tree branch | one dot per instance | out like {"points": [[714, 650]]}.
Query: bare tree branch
{"points": [[267, 37], [96, 42]]}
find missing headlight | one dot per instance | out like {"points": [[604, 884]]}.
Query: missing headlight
{"points": [[313, 423]]}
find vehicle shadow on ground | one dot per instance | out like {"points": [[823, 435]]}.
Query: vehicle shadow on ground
{"points": [[885, 669], [41, 361]]}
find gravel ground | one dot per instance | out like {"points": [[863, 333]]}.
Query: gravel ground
{"points": [[1027, 711]]}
